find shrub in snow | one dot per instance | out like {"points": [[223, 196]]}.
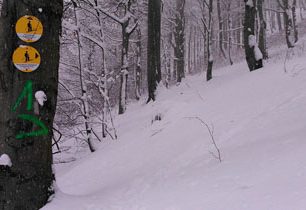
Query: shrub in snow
{"points": [[157, 117], [5, 160]]}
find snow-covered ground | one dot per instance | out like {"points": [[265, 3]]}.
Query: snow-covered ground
{"points": [[259, 122]]}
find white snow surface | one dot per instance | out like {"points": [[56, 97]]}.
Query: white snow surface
{"points": [[41, 97], [5, 160], [259, 122], [258, 54]]}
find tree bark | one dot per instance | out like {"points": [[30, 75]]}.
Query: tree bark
{"points": [[279, 18], [249, 30], [154, 63], [221, 28], [294, 20], [138, 65], [179, 37], [288, 21], [209, 42], [230, 33], [262, 29], [27, 184]]}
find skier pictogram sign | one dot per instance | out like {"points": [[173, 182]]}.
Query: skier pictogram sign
{"points": [[29, 29], [26, 59]]}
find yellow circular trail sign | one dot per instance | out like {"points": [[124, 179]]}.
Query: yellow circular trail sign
{"points": [[26, 59], [29, 29]]}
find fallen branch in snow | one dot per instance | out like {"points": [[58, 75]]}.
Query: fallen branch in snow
{"points": [[211, 133]]}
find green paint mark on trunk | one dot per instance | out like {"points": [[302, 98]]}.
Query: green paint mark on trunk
{"points": [[27, 92], [42, 132]]}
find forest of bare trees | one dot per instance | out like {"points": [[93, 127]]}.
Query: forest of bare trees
{"points": [[114, 52], [109, 51]]}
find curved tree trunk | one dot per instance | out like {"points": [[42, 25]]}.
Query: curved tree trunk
{"points": [[27, 183]]}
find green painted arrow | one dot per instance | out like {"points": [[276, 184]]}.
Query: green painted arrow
{"points": [[27, 92], [42, 132]]}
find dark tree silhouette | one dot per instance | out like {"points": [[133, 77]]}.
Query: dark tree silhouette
{"points": [[25, 132], [154, 31]]}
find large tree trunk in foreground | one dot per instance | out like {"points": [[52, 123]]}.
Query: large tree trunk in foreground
{"points": [[25, 134], [154, 30]]}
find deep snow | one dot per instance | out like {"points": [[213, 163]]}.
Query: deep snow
{"points": [[259, 122]]}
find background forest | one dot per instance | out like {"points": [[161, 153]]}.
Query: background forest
{"points": [[105, 41]]}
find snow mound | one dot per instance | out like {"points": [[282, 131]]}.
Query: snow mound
{"points": [[5, 160]]}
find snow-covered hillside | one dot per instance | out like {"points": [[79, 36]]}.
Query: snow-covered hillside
{"points": [[259, 122]]}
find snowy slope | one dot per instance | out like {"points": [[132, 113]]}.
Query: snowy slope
{"points": [[259, 122]]}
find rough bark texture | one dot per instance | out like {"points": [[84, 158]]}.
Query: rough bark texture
{"points": [[221, 28], [209, 42], [262, 29], [288, 21], [179, 37], [230, 33], [154, 30], [27, 184], [294, 20], [249, 27], [124, 68]]}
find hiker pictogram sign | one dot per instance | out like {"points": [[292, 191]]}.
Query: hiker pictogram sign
{"points": [[26, 59], [29, 29]]}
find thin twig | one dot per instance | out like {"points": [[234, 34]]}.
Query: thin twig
{"points": [[211, 133]]}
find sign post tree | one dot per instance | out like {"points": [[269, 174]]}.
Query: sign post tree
{"points": [[29, 60]]}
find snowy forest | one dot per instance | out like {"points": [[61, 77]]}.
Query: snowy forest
{"points": [[153, 104]]}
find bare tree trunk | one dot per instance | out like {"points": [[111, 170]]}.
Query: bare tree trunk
{"points": [[84, 99], [249, 31], [138, 65], [262, 29], [220, 18], [104, 74], [209, 42], [230, 34], [279, 18], [127, 29], [124, 69], [294, 20], [179, 37], [189, 51], [154, 32], [25, 135], [290, 39]]}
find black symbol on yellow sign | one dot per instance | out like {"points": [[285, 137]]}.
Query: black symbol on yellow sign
{"points": [[29, 29], [26, 59]]}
